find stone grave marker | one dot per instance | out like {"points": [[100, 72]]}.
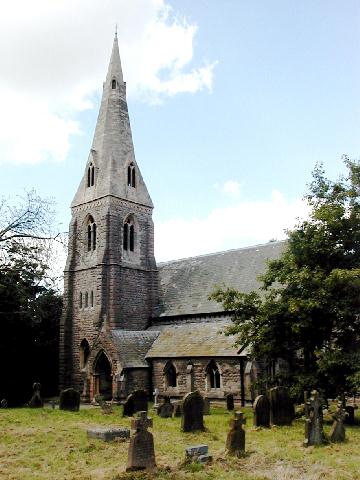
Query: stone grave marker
{"points": [[156, 398], [165, 409], [137, 401], [52, 404], [108, 433], [106, 408], [281, 406], [314, 433], [141, 454], [36, 400], [206, 406], [230, 402], [350, 414], [69, 400], [261, 410], [4, 403], [337, 433], [177, 408], [193, 410], [198, 453], [235, 441]]}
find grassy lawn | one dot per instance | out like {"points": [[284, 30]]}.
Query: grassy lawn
{"points": [[47, 444]]}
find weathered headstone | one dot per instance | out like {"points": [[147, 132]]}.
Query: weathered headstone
{"points": [[261, 409], [4, 403], [337, 433], [69, 400], [314, 433], [141, 454], [230, 402], [109, 434], [36, 400], [281, 406], [206, 406], [106, 408], [198, 453], [156, 398], [177, 408], [137, 401], [52, 404], [350, 415], [165, 409], [235, 441], [193, 410]]}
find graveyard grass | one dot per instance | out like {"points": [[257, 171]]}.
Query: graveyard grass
{"points": [[45, 444]]}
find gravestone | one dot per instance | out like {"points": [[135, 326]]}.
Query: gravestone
{"points": [[177, 408], [198, 453], [69, 400], [141, 454], [4, 403], [192, 414], [281, 406], [350, 415], [230, 402], [235, 441], [337, 433], [156, 398], [52, 404], [261, 409], [314, 433], [109, 434], [165, 410], [137, 401], [36, 400], [206, 406], [106, 408]]}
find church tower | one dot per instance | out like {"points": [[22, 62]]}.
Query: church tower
{"points": [[110, 278]]}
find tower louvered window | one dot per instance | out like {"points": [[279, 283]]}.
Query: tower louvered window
{"points": [[91, 175], [91, 234], [129, 235], [131, 175]]}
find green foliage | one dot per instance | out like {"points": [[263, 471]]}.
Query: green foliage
{"points": [[308, 312]]}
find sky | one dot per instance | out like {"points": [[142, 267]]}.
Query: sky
{"points": [[231, 102]]}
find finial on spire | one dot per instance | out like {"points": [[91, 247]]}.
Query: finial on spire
{"points": [[115, 30]]}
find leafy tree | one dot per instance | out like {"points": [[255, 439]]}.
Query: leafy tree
{"points": [[30, 306], [308, 309]]}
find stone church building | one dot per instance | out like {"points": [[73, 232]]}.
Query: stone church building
{"points": [[128, 322]]}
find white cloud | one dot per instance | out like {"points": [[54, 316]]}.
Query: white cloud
{"points": [[246, 223], [231, 188], [54, 55]]}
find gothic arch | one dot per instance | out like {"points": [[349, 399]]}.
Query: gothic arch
{"points": [[131, 175], [170, 375], [102, 373], [84, 353], [213, 375], [91, 233], [130, 233]]}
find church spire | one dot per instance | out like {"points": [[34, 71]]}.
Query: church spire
{"points": [[112, 151]]}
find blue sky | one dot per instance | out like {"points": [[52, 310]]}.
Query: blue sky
{"points": [[231, 104]]}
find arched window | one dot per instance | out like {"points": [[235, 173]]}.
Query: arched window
{"points": [[131, 175], [86, 299], [80, 300], [113, 84], [84, 352], [91, 298], [213, 375], [91, 175], [91, 234], [129, 235], [170, 375]]}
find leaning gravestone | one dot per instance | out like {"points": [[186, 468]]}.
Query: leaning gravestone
{"points": [[337, 433], [69, 400], [198, 453], [165, 409], [36, 400], [261, 409], [314, 433], [281, 406], [106, 408], [193, 410], [206, 406], [235, 441], [4, 403], [137, 401], [141, 454], [230, 402], [108, 433]]}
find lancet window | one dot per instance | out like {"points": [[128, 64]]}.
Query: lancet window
{"points": [[129, 235], [131, 175], [170, 375], [91, 234], [213, 375], [91, 175]]}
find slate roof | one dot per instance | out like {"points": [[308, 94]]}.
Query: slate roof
{"points": [[186, 284], [133, 346], [193, 339]]}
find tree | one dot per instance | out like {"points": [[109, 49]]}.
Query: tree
{"points": [[308, 308], [30, 306]]}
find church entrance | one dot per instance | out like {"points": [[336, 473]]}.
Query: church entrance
{"points": [[103, 377]]}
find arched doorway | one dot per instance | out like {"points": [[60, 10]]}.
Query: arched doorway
{"points": [[103, 377]]}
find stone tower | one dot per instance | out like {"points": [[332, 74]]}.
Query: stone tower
{"points": [[110, 275]]}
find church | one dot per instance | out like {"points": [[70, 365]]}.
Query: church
{"points": [[129, 323]]}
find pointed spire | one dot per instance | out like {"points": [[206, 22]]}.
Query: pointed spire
{"points": [[114, 70]]}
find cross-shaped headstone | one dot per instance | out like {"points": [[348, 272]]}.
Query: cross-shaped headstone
{"points": [[156, 395], [238, 421], [142, 422], [235, 440]]}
